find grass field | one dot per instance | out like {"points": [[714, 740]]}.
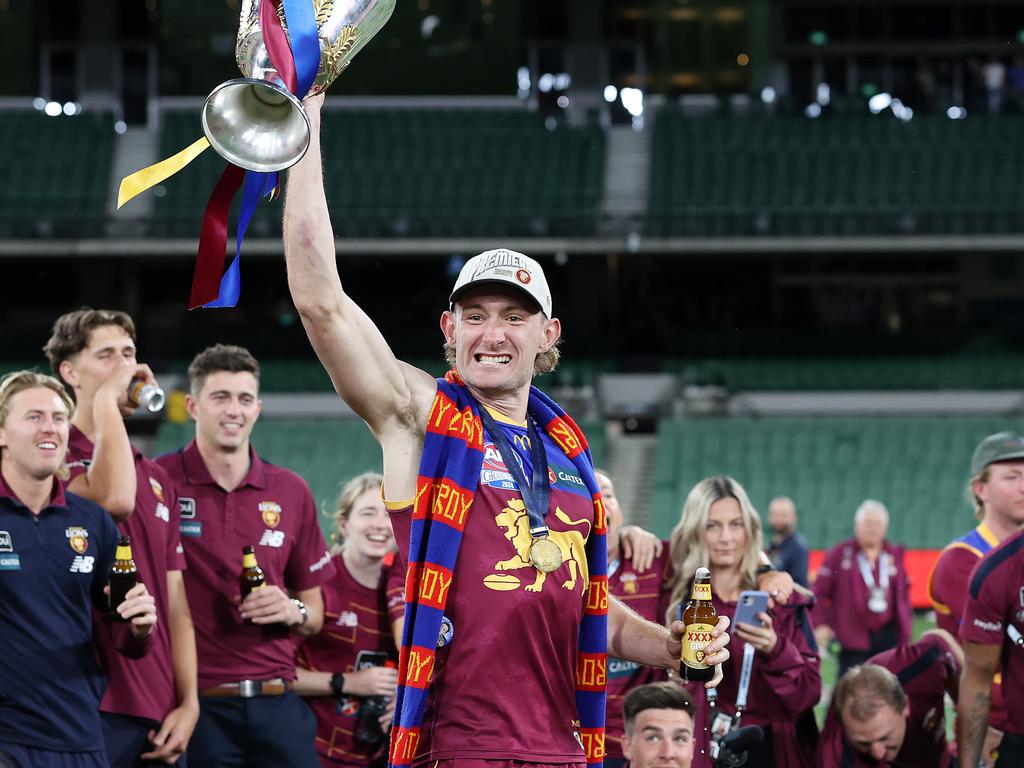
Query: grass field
{"points": [[829, 665]]}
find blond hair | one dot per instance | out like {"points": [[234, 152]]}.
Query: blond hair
{"points": [[688, 546], [864, 690], [979, 505], [352, 490], [19, 381]]}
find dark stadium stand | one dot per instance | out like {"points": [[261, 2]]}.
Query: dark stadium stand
{"points": [[52, 188], [855, 175], [917, 466], [422, 172]]}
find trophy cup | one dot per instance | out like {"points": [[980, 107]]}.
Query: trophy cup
{"points": [[254, 121]]}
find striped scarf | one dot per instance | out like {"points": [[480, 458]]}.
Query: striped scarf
{"points": [[453, 453]]}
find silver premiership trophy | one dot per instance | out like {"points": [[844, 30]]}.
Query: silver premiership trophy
{"points": [[254, 121]]}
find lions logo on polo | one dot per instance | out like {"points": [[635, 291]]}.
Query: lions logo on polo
{"points": [[78, 538], [158, 490], [270, 511], [629, 583]]}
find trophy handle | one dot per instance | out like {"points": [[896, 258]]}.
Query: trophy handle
{"points": [[256, 124]]}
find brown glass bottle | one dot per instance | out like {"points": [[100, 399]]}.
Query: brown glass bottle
{"points": [[251, 576], [700, 618], [123, 576]]}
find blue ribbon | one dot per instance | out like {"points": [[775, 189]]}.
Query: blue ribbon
{"points": [[302, 34], [305, 46]]}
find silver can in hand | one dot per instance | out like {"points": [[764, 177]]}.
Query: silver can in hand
{"points": [[148, 396]]}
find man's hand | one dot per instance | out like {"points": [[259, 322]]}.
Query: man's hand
{"points": [[638, 546], [116, 384], [778, 585], [372, 681], [716, 652], [171, 741], [270, 605], [139, 608], [762, 638], [992, 741]]}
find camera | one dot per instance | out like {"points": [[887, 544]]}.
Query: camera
{"points": [[729, 750]]}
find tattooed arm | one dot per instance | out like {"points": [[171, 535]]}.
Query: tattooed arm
{"points": [[982, 662]]}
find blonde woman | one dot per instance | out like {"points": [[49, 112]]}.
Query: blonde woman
{"points": [[349, 668], [720, 529]]}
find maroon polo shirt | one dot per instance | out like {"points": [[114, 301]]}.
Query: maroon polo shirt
{"points": [[273, 510], [995, 601], [927, 670], [141, 687], [644, 592], [355, 620]]}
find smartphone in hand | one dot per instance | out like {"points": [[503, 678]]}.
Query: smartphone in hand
{"points": [[751, 603]]}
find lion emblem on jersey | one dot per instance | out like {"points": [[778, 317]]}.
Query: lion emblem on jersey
{"points": [[270, 511], [516, 522]]}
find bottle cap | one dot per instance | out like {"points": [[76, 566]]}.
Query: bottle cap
{"points": [[703, 573]]}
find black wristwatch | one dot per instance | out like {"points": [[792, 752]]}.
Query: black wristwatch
{"points": [[763, 569], [337, 685]]}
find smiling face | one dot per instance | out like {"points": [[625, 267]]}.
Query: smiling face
{"points": [[109, 348], [367, 529], [881, 735], [225, 410], [34, 436], [497, 333], [725, 535]]}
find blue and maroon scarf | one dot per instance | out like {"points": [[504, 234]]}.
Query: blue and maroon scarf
{"points": [[453, 453]]}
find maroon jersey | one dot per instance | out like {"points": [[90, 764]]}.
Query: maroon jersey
{"points": [[927, 670], [355, 622], [395, 585], [947, 587], [141, 687], [271, 509], [504, 682], [645, 593], [995, 603], [843, 596]]}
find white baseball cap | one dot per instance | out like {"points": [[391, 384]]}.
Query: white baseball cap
{"points": [[504, 267]]}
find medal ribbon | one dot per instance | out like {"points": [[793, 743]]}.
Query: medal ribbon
{"points": [[869, 577], [536, 496]]}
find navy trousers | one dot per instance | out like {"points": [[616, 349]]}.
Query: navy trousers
{"points": [[127, 737], [17, 756], [261, 732]]}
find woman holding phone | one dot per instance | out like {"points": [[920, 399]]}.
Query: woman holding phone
{"points": [[720, 529], [347, 672]]}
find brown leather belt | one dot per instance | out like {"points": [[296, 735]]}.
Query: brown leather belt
{"points": [[249, 689]]}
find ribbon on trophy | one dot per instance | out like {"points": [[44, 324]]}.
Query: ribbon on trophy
{"points": [[296, 63]]}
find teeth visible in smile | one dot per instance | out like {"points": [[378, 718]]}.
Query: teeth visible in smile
{"points": [[380, 538], [48, 446], [501, 359]]}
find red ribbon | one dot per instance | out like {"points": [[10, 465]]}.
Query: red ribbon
{"points": [[278, 47], [214, 238]]}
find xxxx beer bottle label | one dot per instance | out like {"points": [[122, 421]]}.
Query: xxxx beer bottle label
{"points": [[700, 618], [696, 640]]}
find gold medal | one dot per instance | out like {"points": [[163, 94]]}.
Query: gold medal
{"points": [[545, 555]]}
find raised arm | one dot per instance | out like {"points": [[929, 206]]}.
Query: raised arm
{"points": [[386, 393]]}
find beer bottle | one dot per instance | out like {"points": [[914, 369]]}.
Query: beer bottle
{"points": [[123, 576], [251, 576], [700, 618]]}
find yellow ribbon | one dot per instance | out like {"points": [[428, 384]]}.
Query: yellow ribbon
{"points": [[140, 181]]}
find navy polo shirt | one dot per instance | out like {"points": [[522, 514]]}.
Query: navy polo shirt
{"points": [[53, 567]]}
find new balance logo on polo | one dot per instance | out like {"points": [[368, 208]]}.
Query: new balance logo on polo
{"points": [[82, 564], [162, 512], [272, 538]]}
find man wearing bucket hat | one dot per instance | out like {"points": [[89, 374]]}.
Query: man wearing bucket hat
{"points": [[997, 490], [495, 507]]}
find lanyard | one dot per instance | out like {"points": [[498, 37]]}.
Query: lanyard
{"points": [[741, 692], [536, 494], [613, 566], [869, 577]]}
